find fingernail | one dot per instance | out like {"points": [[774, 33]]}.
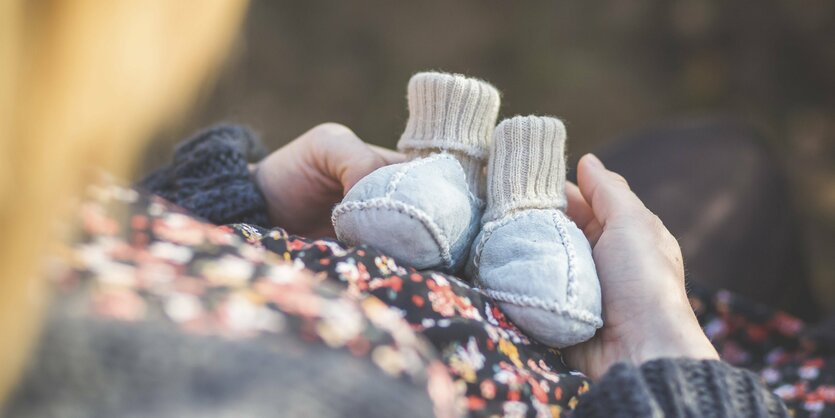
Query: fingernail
{"points": [[594, 161]]}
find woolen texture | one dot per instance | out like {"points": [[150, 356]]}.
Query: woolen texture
{"points": [[210, 176], [451, 113], [527, 166], [679, 388]]}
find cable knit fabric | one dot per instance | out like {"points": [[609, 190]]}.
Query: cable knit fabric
{"points": [[210, 176], [675, 388]]}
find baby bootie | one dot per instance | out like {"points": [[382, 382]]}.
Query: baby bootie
{"points": [[529, 256], [427, 210]]}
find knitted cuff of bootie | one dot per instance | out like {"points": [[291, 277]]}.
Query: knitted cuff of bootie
{"points": [[451, 113], [527, 166], [210, 177]]}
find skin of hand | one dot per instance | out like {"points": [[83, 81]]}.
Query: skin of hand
{"points": [[303, 180], [646, 312]]}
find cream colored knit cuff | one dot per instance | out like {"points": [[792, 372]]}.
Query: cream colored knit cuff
{"points": [[450, 112], [527, 166]]}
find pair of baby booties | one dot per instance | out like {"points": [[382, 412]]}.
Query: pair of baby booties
{"points": [[518, 247]]}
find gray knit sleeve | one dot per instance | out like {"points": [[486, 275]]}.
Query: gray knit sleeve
{"points": [[679, 388], [210, 177]]}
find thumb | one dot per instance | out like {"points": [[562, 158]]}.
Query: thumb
{"points": [[607, 192]]}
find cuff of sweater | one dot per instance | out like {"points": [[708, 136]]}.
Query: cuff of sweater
{"points": [[679, 388], [210, 177]]}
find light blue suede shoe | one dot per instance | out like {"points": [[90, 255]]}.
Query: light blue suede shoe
{"points": [[393, 209], [426, 211], [529, 256]]}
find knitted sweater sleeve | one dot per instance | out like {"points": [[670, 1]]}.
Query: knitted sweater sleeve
{"points": [[210, 177], [679, 388]]}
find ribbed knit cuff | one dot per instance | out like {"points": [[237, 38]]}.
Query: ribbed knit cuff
{"points": [[450, 112], [527, 166], [679, 388]]}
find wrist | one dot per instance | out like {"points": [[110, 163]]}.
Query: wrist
{"points": [[672, 335]]}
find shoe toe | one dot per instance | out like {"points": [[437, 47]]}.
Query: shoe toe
{"points": [[538, 266], [420, 212]]}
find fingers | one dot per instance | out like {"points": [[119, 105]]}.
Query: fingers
{"points": [[581, 213], [607, 192], [345, 157], [390, 156]]}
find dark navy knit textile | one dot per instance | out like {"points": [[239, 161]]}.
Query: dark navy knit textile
{"points": [[210, 176]]}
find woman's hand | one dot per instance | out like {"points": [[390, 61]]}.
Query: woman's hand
{"points": [[303, 180], [646, 313]]}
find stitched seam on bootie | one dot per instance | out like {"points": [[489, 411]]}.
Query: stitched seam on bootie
{"points": [[397, 177], [575, 313], [386, 203], [559, 223], [487, 231], [473, 151], [571, 309], [571, 255], [499, 211]]}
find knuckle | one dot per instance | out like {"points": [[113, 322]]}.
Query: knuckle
{"points": [[368, 161], [333, 129], [671, 243], [672, 248], [641, 216], [675, 250], [327, 135], [663, 233], [651, 224], [675, 257], [618, 179], [656, 223]]}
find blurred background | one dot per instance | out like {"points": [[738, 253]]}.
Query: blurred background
{"points": [[608, 68]]}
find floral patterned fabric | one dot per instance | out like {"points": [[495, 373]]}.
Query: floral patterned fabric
{"points": [[496, 367], [505, 372], [790, 360], [143, 258], [139, 258]]}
